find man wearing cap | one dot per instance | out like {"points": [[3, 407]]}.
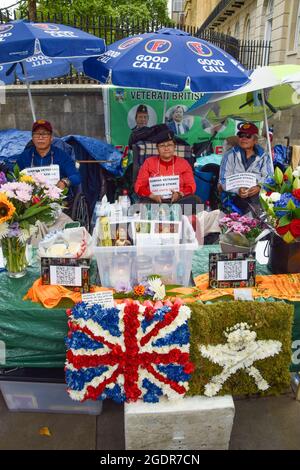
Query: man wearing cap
{"points": [[43, 153], [246, 157], [141, 117], [165, 165]]}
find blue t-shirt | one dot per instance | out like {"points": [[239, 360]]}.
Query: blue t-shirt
{"points": [[31, 158]]}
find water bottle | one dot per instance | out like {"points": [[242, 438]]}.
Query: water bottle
{"points": [[96, 214], [207, 206], [124, 200]]}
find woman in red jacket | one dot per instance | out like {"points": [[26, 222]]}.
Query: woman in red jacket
{"points": [[166, 165]]}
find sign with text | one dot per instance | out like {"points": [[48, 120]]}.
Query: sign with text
{"points": [[102, 298], [51, 173], [65, 275], [164, 185], [69, 272], [232, 270], [240, 180]]}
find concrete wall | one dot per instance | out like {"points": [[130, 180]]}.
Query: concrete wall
{"points": [[78, 109], [72, 109]]}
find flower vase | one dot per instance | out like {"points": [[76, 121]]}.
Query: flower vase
{"points": [[234, 243], [14, 254], [284, 257]]}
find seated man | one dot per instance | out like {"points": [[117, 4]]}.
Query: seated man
{"points": [[43, 153], [246, 157], [166, 165]]}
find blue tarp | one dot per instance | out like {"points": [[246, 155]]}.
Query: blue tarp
{"points": [[13, 142], [98, 150]]}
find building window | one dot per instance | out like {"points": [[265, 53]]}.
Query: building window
{"points": [[270, 8], [247, 28], [178, 5], [237, 30], [269, 20], [297, 31], [294, 26]]}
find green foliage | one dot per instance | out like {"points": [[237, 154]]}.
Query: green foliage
{"points": [[270, 320], [131, 9]]}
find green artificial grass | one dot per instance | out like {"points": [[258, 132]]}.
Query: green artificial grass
{"points": [[270, 320]]}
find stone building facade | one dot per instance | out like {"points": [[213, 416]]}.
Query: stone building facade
{"points": [[277, 21]]}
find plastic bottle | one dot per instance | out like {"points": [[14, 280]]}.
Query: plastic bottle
{"points": [[124, 200], [207, 206]]}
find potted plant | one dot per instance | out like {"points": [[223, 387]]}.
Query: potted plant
{"points": [[280, 199], [239, 233]]}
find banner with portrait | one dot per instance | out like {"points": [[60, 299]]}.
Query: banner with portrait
{"points": [[127, 108]]}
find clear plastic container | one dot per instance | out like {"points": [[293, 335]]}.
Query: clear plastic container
{"points": [[44, 398], [176, 259]]}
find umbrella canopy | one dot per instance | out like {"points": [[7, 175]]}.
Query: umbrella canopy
{"points": [[277, 85], [169, 60], [37, 51], [22, 39], [38, 67]]}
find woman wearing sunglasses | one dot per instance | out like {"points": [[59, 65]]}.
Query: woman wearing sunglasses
{"points": [[246, 157]]}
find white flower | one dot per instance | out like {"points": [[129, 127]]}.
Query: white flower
{"points": [[3, 230], [275, 197], [158, 288]]}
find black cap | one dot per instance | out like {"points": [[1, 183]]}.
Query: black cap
{"points": [[163, 134], [142, 109]]}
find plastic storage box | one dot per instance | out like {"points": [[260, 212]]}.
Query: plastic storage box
{"points": [[129, 265], [42, 397]]}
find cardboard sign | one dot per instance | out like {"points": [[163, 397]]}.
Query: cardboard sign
{"points": [[232, 270], [164, 185], [69, 272], [102, 298], [51, 173], [240, 180]]}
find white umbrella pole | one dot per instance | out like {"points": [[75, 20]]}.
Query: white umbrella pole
{"points": [[267, 129], [29, 93]]}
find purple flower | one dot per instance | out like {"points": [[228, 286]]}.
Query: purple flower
{"points": [[14, 230], [123, 287], [2, 178]]}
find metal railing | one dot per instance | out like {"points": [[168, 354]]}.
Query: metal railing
{"points": [[249, 53]]}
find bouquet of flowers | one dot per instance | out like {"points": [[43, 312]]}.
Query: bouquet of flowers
{"points": [[239, 230], [280, 199], [24, 200]]}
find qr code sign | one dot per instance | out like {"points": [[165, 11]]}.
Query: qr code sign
{"points": [[233, 270], [65, 275]]}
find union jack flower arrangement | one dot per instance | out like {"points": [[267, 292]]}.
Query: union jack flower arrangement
{"points": [[129, 352]]}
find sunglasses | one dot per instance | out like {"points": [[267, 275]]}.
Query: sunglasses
{"points": [[245, 136]]}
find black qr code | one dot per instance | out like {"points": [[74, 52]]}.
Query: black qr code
{"points": [[233, 270], [65, 276]]}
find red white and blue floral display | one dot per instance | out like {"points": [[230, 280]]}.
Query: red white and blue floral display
{"points": [[129, 352]]}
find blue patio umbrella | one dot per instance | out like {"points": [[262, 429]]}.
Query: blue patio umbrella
{"points": [[38, 67], [37, 51], [22, 39], [169, 60]]}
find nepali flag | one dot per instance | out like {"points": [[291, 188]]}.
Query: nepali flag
{"points": [[128, 352]]}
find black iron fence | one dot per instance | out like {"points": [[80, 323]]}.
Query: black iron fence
{"points": [[249, 53]]}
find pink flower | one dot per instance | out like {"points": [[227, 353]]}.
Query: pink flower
{"points": [[23, 196], [53, 192], [234, 216]]}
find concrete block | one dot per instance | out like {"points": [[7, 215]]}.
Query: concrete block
{"points": [[191, 423]]}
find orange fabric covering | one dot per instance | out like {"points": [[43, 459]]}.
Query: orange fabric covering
{"points": [[50, 296], [279, 286]]}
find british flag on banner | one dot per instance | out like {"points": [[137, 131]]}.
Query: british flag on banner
{"points": [[128, 352]]}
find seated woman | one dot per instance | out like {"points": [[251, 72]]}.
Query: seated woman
{"points": [[168, 166], [246, 157]]}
